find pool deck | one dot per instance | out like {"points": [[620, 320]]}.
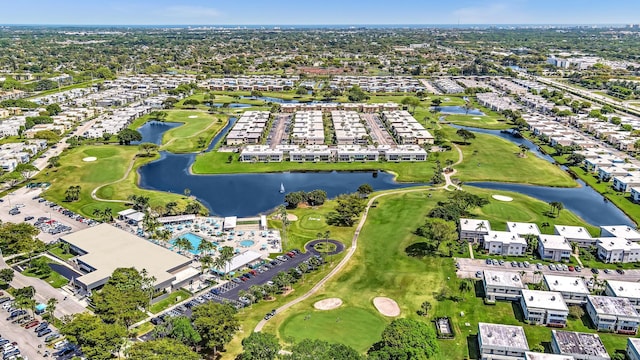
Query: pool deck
{"points": [[264, 241]]}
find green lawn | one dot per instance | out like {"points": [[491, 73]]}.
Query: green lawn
{"points": [[196, 125], [54, 279], [217, 163], [174, 297], [351, 326], [485, 122], [112, 163], [490, 158], [380, 267], [59, 252]]}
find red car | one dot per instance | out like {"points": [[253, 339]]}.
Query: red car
{"points": [[32, 324], [253, 272]]}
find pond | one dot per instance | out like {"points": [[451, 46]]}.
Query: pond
{"points": [[152, 131], [583, 201], [533, 148], [251, 194], [458, 110]]}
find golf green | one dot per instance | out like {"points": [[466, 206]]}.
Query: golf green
{"points": [[347, 325]]}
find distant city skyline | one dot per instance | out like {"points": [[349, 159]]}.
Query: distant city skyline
{"points": [[328, 12]]}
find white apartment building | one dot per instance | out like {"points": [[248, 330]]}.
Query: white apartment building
{"points": [[311, 153], [473, 229], [613, 314], [522, 229], [582, 346], [633, 349], [573, 289], [308, 128], [348, 128], [624, 289], [544, 356], [617, 250], [504, 243], [405, 153], [351, 153], [621, 231], [260, 153], [625, 183], [501, 342], [575, 234], [554, 248], [502, 285], [406, 129], [544, 308], [249, 128]]}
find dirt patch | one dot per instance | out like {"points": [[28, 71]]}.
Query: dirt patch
{"points": [[386, 306], [328, 304]]}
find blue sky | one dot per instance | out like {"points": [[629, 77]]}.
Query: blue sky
{"points": [[303, 12]]}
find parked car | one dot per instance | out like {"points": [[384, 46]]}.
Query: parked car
{"points": [[552, 267], [620, 271], [44, 332], [31, 324], [478, 274], [595, 271], [607, 271], [488, 261], [51, 337]]}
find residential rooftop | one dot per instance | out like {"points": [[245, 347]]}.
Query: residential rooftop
{"points": [[575, 343], [503, 278], [505, 237], [549, 300], [542, 356], [523, 228], [572, 232], [623, 231], [505, 336], [555, 242], [617, 243], [625, 289], [609, 305], [566, 284], [474, 225]]}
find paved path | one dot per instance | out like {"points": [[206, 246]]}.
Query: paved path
{"points": [[345, 260], [447, 175], [126, 174]]}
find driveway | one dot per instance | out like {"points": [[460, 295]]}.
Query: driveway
{"points": [[469, 267]]}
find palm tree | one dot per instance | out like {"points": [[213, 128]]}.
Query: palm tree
{"points": [[206, 261], [559, 207], [206, 247], [552, 204], [257, 291], [183, 244], [466, 285], [536, 274], [282, 212], [51, 306], [481, 226], [224, 256]]}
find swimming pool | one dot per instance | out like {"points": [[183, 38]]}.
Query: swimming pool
{"points": [[247, 243], [195, 241]]}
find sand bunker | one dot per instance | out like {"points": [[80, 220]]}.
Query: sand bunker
{"points": [[192, 116], [476, 118], [502, 198], [328, 304], [90, 159], [386, 306]]}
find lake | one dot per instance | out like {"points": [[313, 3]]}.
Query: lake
{"points": [[152, 131], [583, 201], [458, 110], [251, 194]]}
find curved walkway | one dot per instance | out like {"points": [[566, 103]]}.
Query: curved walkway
{"points": [[126, 174], [343, 262], [310, 246], [447, 176]]}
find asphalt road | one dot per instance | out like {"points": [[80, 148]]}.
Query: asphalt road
{"points": [[469, 267], [380, 135]]}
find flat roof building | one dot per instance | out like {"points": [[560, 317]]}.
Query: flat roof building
{"points": [[554, 248], [473, 229], [617, 250], [573, 289], [613, 314], [582, 346], [543, 356], [504, 243], [522, 229], [504, 342], [502, 285], [633, 348], [544, 308], [308, 128], [578, 234], [624, 289], [622, 231], [103, 248], [406, 129]]}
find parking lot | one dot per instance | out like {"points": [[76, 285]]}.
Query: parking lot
{"points": [[469, 267], [228, 292], [27, 341], [52, 221]]}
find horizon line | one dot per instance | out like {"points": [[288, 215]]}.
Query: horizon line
{"points": [[325, 25]]}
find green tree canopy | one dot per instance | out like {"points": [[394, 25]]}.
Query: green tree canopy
{"points": [[348, 208], [97, 339], [216, 324], [126, 136], [122, 296], [18, 238], [309, 349], [260, 346], [161, 349], [405, 339]]}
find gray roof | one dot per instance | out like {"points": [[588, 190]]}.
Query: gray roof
{"points": [[575, 343], [109, 248], [504, 336], [615, 306]]}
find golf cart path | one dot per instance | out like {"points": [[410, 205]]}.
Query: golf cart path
{"points": [[345, 260], [447, 176], [126, 174]]}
